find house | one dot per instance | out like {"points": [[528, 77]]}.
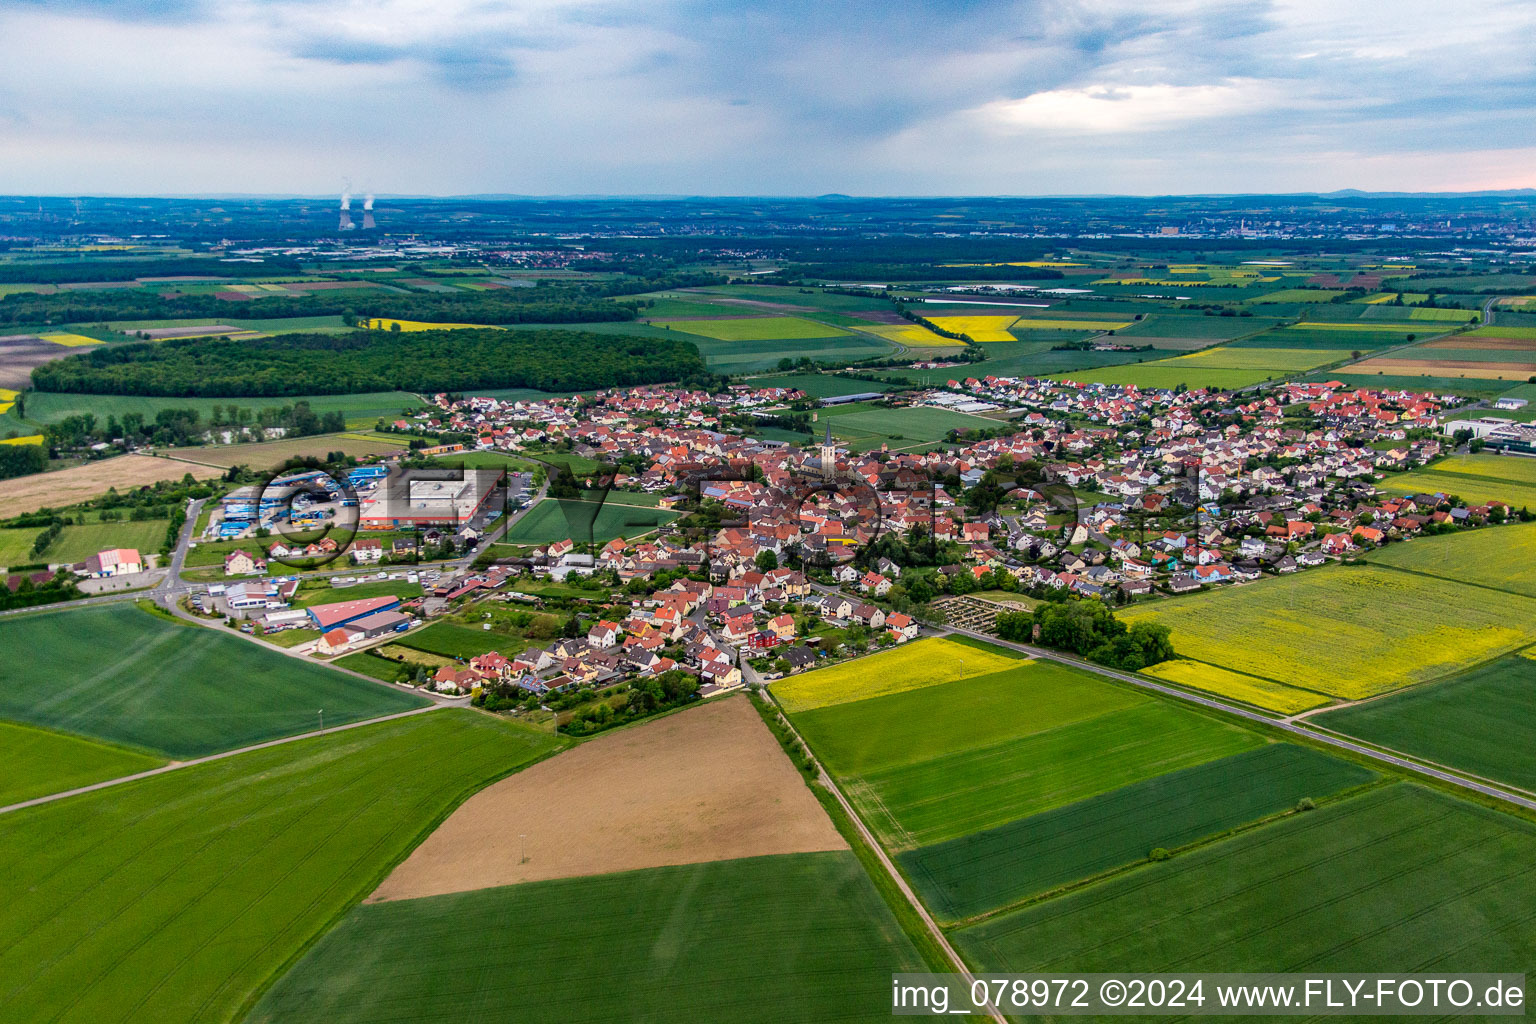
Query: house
{"points": [[604, 634], [1183, 583], [874, 583], [334, 642], [867, 615], [242, 563], [366, 550], [737, 627], [799, 658], [782, 626], [902, 626]]}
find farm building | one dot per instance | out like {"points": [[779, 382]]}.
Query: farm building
{"points": [[111, 562], [327, 617]]}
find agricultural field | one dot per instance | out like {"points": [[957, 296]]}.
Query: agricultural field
{"points": [[66, 487], [421, 325], [1474, 478], [931, 764], [926, 662], [1168, 373], [977, 328], [1156, 328], [987, 870], [911, 335], [1058, 323], [217, 875], [1351, 338], [270, 454], [555, 519], [40, 761], [1500, 557], [708, 783], [1301, 295], [753, 356], [1397, 875], [1346, 631], [1261, 693], [757, 328], [683, 943], [113, 672], [77, 543], [1482, 721]]}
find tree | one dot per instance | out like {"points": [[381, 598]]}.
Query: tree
{"points": [[767, 561]]}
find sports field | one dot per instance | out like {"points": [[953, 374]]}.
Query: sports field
{"points": [[1473, 478], [1481, 721], [926, 662], [757, 328], [791, 938], [991, 869], [40, 761], [115, 673], [1399, 875], [177, 897], [1501, 557], [1347, 631], [555, 519]]}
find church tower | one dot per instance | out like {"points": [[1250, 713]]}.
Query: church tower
{"points": [[828, 455]]}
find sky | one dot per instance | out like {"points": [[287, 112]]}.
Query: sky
{"points": [[784, 97]]}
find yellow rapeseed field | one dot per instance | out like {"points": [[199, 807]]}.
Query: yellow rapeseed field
{"points": [[70, 339], [1261, 693], [419, 325], [910, 667], [29, 439], [1032, 324], [1347, 631], [978, 328], [911, 334]]}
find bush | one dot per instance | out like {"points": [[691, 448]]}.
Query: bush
{"points": [[1158, 853], [1305, 804]]}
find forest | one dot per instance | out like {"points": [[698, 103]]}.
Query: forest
{"points": [[330, 364]]}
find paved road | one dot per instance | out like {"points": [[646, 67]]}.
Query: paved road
{"points": [[178, 765], [1488, 310], [1297, 728]]}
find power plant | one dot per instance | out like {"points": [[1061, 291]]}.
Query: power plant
{"points": [[346, 212], [368, 224]]}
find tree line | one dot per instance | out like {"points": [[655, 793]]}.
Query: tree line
{"points": [[313, 364]]}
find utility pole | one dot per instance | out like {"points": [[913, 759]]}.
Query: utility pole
{"points": [[322, 719]]}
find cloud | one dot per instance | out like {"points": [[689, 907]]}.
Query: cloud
{"points": [[1128, 109]]}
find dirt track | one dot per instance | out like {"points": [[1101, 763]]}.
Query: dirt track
{"points": [[707, 784]]}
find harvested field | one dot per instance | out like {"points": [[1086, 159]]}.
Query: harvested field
{"points": [[268, 454], [68, 486], [1447, 368], [710, 783], [18, 354]]}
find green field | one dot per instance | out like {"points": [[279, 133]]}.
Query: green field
{"points": [[1501, 557], [1481, 721], [47, 407], [1473, 478], [752, 356], [39, 761], [451, 640], [1214, 328], [77, 543], [1347, 631], [757, 328], [980, 872], [307, 596], [555, 519], [177, 898], [968, 790], [678, 944], [116, 673], [919, 724], [1399, 878], [867, 427], [1167, 374]]}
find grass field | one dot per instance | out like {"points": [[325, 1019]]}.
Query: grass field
{"points": [[451, 640], [1164, 373], [757, 328], [555, 519], [976, 873], [40, 761], [752, 356], [1503, 557], [868, 427], [1304, 295], [1263, 693], [682, 943], [1474, 478], [116, 673], [926, 662], [1481, 721], [77, 543], [178, 897], [1347, 631], [1398, 876], [1210, 328]]}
